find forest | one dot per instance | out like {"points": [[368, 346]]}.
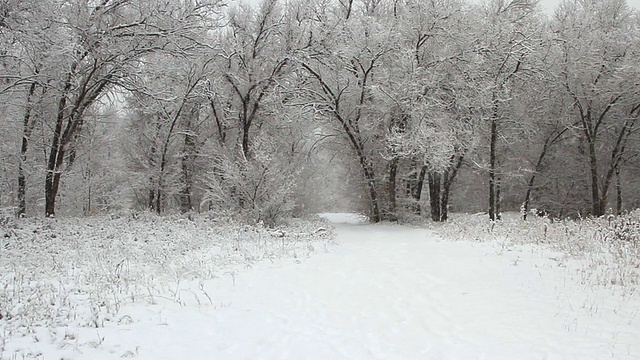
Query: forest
{"points": [[393, 108]]}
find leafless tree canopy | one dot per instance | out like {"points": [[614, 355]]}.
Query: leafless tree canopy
{"points": [[283, 108]]}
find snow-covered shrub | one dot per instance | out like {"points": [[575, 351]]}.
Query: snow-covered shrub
{"points": [[59, 272], [261, 190], [625, 229], [607, 249]]}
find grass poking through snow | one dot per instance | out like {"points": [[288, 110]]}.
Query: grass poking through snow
{"points": [[79, 272], [606, 250]]}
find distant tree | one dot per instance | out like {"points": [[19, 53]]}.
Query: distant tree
{"points": [[259, 148], [87, 50], [256, 60], [423, 83], [339, 71], [598, 42], [22, 59], [166, 111], [507, 35]]}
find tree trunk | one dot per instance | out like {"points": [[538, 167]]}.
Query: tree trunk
{"points": [[393, 195], [530, 184], [498, 213], [527, 198], [367, 168], [159, 200], [444, 202], [416, 190], [368, 172], [370, 179], [188, 156], [52, 185], [492, 168], [369, 175], [434, 194], [245, 140], [88, 205], [164, 155], [27, 127], [151, 204], [61, 141], [447, 180], [618, 193], [56, 155], [409, 184], [22, 183], [152, 163], [596, 202]]}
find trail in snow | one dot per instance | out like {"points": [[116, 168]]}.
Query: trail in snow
{"points": [[388, 292]]}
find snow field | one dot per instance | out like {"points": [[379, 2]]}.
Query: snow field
{"points": [[386, 292], [60, 279]]}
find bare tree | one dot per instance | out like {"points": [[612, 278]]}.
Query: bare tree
{"points": [[255, 62], [338, 84], [507, 37], [94, 49], [598, 42]]}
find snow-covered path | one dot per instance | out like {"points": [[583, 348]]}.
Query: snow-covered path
{"points": [[389, 292]]}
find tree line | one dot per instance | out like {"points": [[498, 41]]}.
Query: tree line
{"points": [[407, 104]]}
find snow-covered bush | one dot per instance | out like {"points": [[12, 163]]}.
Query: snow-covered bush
{"points": [[625, 229], [59, 272], [607, 248], [261, 190]]}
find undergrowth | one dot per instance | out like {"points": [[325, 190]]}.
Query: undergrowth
{"points": [[80, 272], [607, 249]]}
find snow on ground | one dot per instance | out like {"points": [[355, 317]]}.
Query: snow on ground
{"points": [[386, 292], [345, 218]]}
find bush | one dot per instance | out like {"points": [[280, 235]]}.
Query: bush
{"points": [[607, 249], [260, 191], [625, 229], [59, 272]]}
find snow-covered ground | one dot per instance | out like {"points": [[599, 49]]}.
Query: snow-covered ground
{"points": [[386, 292]]}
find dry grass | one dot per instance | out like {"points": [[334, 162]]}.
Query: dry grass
{"points": [[607, 249]]}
